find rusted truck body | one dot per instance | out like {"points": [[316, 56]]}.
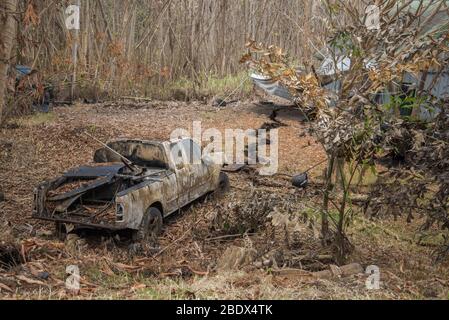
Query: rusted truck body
{"points": [[110, 194]]}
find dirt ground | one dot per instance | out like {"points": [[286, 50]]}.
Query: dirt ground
{"points": [[187, 262]]}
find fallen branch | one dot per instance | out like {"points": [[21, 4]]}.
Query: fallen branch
{"points": [[230, 236], [199, 273], [171, 244], [138, 98]]}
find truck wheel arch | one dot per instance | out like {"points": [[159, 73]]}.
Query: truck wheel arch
{"points": [[157, 205], [150, 229], [222, 186]]}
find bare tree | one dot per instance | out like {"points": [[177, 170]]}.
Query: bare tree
{"points": [[131, 47], [7, 35]]}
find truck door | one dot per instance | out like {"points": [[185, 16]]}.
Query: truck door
{"points": [[170, 190], [183, 170], [199, 182]]}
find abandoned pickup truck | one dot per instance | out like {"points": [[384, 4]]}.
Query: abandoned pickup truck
{"points": [[133, 185]]}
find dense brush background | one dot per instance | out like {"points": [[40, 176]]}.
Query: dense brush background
{"points": [[154, 47]]}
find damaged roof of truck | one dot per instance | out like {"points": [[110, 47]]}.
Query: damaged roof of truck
{"points": [[94, 171], [145, 153]]}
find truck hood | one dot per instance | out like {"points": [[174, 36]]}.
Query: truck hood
{"points": [[94, 171]]}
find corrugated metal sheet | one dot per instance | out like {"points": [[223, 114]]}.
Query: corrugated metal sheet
{"points": [[271, 87], [440, 89]]}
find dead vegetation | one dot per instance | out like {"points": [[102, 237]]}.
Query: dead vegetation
{"points": [[264, 239], [189, 260], [354, 128]]}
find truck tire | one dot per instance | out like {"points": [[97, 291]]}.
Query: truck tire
{"points": [[223, 185], [300, 180], [151, 226]]}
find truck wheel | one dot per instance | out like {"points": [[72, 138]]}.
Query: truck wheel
{"points": [[223, 184], [151, 226]]}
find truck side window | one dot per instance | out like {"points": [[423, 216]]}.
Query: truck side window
{"points": [[192, 151], [177, 154]]}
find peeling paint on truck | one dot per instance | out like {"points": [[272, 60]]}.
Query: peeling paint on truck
{"points": [[111, 195]]}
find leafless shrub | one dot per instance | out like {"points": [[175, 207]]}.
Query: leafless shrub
{"points": [[244, 216], [350, 122]]}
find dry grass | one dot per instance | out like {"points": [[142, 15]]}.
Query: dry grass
{"points": [[37, 119], [37, 150]]}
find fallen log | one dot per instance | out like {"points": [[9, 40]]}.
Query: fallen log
{"points": [[336, 271], [333, 272], [137, 98]]}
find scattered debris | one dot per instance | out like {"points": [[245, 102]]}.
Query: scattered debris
{"points": [[337, 272], [29, 83], [137, 98], [74, 244], [333, 271], [222, 103], [292, 273], [300, 180], [229, 237], [5, 288], [236, 257], [272, 259], [233, 167], [248, 216], [29, 280], [265, 103], [44, 275], [10, 257], [6, 146]]}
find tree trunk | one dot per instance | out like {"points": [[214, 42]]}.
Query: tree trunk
{"points": [[7, 35], [325, 209]]}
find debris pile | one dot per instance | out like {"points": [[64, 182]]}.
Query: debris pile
{"points": [[9, 257]]}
